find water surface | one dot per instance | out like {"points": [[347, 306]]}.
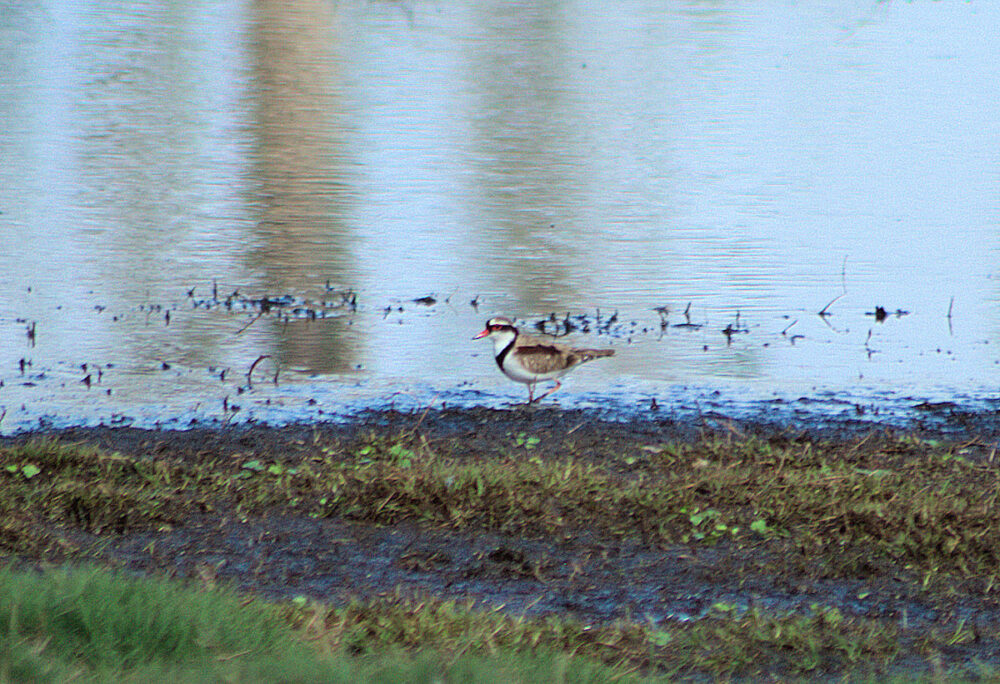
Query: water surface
{"points": [[748, 163]]}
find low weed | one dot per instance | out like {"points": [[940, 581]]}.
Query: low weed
{"points": [[851, 509], [723, 644]]}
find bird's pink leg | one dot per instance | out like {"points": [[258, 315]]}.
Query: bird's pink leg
{"points": [[558, 385]]}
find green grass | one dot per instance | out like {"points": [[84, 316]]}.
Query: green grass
{"points": [[89, 624], [86, 624], [91, 621], [92, 624]]}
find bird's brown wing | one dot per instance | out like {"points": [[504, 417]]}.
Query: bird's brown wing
{"points": [[542, 356], [545, 358]]}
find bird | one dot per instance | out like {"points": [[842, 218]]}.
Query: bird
{"points": [[530, 360]]}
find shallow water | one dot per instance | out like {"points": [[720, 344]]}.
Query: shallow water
{"points": [[749, 164]]}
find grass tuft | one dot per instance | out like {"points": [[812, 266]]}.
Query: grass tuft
{"points": [[89, 624], [104, 619]]}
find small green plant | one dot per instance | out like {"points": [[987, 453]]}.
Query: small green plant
{"points": [[723, 608], [249, 468], [400, 456], [703, 528], [660, 637], [28, 470], [523, 440]]}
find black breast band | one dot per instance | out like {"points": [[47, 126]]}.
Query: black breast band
{"points": [[503, 355]]}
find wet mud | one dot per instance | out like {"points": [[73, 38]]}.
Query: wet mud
{"points": [[594, 580]]}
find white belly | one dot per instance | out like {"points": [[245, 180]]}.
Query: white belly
{"points": [[515, 371]]}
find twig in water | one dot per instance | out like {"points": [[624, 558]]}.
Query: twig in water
{"points": [[402, 393], [664, 312], [868, 347], [823, 313], [254, 320], [254, 365], [424, 414]]}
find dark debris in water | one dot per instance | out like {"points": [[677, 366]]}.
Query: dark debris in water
{"points": [[334, 302], [331, 301], [563, 324], [687, 324], [734, 328], [880, 313], [287, 306], [559, 325]]}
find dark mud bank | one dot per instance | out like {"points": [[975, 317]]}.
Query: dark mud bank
{"points": [[805, 417]]}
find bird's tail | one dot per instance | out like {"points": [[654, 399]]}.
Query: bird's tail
{"points": [[588, 354]]}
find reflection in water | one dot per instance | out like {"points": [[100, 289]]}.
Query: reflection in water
{"points": [[526, 140], [580, 157], [301, 163]]}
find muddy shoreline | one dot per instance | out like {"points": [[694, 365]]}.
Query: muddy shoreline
{"points": [[281, 553], [685, 419]]}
